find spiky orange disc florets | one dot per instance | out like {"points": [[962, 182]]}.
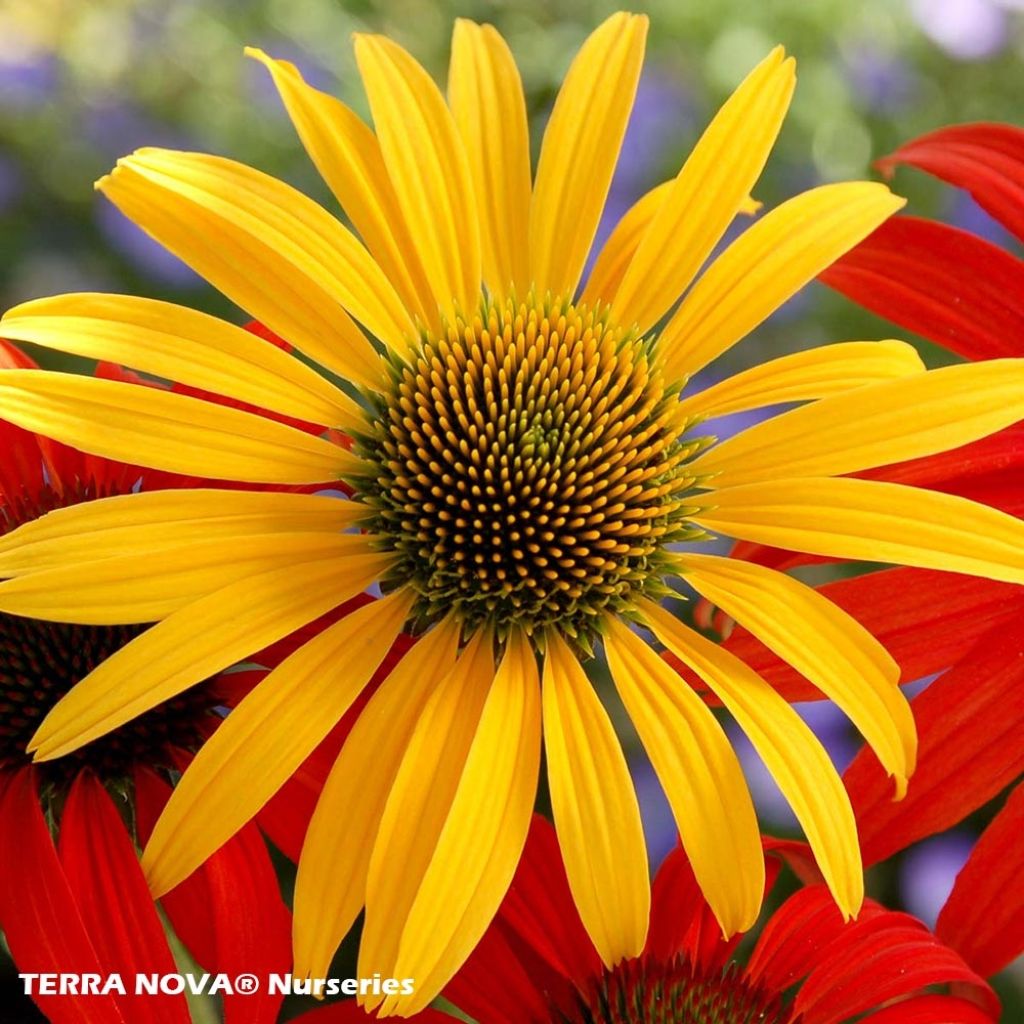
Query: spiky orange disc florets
{"points": [[528, 467]]}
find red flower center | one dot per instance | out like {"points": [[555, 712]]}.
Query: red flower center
{"points": [[648, 991], [41, 661]]}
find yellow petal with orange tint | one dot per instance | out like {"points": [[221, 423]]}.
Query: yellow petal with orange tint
{"points": [[790, 751], [284, 289], [706, 196], [177, 433], [347, 155], [428, 167], [771, 261], [580, 149], [199, 641], [617, 252], [823, 643], [294, 225], [596, 813], [813, 373], [700, 774], [420, 801], [113, 590], [267, 736], [486, 98], [888, 422], [873, 521], [184, 346], [151, 521], [479, 847], [330, 888]]}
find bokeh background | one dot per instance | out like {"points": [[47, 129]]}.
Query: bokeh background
{"points": [[83, 82]]}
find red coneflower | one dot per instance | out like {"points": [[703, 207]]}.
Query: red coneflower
{"points": [[72, 894], [536, 965]]}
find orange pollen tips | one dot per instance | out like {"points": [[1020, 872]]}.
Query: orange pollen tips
{"points": [[529, 468]]}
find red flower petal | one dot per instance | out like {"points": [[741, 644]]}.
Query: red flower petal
{"points": [[796, 935], [264, 332], [229, 913], [931, 1010], [986, 159], [505, 981], [797, 856], [12, 358], [852, 967], [21, 466], [681, 919], [350, 1012], [982, 918], [881, 958], [539, 907], [38, 913], [285, 816], [971, 727], [102, 869], [188, 906], [944, 283]]}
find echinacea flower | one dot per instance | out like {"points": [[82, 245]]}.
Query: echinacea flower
{"points": [[73, 898], [523, 474], [536, 965]]}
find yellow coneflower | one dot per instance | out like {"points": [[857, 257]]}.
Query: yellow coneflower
{"points": [[525, 463]]}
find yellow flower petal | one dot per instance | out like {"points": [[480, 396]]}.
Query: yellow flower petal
{"points": [[198, 641], [873, 521], [823, 643], [486, 98], [428, 168], [243, 265], [177, 433], [115, 590], [347, 155], [618, 251], [596, 813], [483, 837], [267, 737], [813, 373], [259, 205], [181, 345], [706, 196], [790, 751], [874, 426], [330, 888], [766, 265], [151, 521], [581, 146], [419, 803], [700, 774]]}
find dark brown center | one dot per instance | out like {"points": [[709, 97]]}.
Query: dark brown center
{"points": [[646, 991], [529, 468]]}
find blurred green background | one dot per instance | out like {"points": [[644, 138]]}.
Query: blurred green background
{"points": [[82, 83]]}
